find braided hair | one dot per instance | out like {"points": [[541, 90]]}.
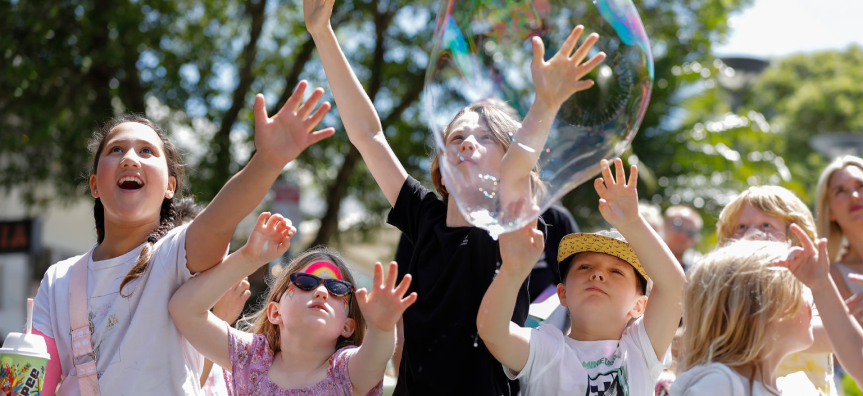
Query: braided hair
{"points": [[168, 215]]}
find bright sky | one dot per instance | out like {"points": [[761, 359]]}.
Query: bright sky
{"points": [[771, 28]]}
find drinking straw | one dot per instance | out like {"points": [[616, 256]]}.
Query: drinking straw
{"points": [[29, 328]]}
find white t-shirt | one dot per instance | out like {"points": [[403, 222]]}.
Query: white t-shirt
{"points": [[719, 380], [559, 365], [139, 350]]}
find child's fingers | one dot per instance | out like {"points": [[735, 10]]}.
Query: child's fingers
{"points": [[599, 185], [404, 285], [823, 258], [588, 66], [606, 173], [361, 295], [618, 170], [295, 98], [392, 274], [273, 221], [408, 301], [569, 45], [310, 103], [378, 278], [633, 176], [260, 108], [582, 51], [319, 114], [538, 51], [262, 219], [805, 242], [582, 85], [317, 136]]}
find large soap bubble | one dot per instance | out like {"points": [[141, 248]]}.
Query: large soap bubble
{"points": [[482, 53]]}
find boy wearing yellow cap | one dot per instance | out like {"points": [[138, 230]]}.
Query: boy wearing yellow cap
{"points": [[619, 343]]}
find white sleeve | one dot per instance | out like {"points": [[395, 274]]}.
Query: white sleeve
{"points": [[546, 346], [710, 380], [171, 254], [636, 337], [42, 305]]}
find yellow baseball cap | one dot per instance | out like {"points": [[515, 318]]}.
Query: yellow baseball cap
{"points": [[607, 242]]}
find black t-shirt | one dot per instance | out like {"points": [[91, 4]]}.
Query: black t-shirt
{"points": [[451, 268], [559, 223]]}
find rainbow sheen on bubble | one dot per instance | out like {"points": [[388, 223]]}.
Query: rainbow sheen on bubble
{"points": [[482, 52]]}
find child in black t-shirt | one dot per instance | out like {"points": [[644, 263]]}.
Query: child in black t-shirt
{"points": [[453, 263]]}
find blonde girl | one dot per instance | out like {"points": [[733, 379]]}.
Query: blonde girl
{"points": [[142, 256], [767, 213], [839, 209], [742, 316], [310, 335]]}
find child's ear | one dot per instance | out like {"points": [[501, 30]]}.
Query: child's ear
{"points": [[273, 314], [638, 309], [561, 293], [350, 326], [93, 190], [172, 187]]}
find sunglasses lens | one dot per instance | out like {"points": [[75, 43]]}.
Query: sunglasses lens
{"points": [[304, 281], [338, 288]]}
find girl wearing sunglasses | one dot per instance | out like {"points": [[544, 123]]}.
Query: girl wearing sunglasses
{"points": [[314, 333]]}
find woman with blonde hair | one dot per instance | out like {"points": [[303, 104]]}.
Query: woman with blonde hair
{"points": [[742, 315], [839, 211]]}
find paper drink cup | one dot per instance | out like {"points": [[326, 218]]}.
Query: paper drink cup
{"points": [[22, 364]]}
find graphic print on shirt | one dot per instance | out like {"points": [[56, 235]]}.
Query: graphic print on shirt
{"points": [[612, 383], [107, 312]]}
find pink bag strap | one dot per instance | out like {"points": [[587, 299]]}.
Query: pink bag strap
{"points": [[83, 356]]}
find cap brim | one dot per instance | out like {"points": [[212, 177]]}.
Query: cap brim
{"points": [[584, 242]]}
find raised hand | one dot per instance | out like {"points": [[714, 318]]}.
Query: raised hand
{"points": [[559, 78], [807, 262], [230, 306], [270, 239], [520, 249], [618, 200], [383, 305], [283, 137], [317, 13]]}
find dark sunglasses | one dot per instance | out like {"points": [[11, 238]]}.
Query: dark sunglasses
{"points": [[308, 282]]}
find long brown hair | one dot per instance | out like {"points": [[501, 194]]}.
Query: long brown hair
{"points": [[167, 214], [502, 122], [259, 323]]}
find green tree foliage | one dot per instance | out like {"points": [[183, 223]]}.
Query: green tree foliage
{"points": [[195, 66]]}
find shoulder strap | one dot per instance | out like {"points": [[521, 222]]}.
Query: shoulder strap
{"points": [[83, 356]]}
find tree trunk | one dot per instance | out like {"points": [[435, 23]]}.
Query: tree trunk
{"points": [[221, 143]]}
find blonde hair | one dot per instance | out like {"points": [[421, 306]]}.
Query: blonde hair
{"points": [[502, 122], [774, 201], [732, 298], [826, 227], [259, 323]]}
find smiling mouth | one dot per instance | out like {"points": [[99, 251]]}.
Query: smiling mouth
{"points": [[130, 183]]}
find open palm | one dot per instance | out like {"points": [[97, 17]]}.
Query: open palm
{"points": [[283, 137], [270, 238], [561, 76], [618, 200], [383, 305]]}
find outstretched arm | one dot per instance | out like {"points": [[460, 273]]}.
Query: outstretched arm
{"points": [[555, 81], [507, 341], [382, 307], [811, 265], [278, 140], [190, 305], [356, 110], [228, 308], [618, 204]]}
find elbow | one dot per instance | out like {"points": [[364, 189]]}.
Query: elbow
{"points": [[175, 308]]}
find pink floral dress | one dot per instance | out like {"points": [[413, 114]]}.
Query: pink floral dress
{"points": [[251, 358]]}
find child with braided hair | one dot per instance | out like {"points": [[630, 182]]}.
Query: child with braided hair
{"points": [[108, 328]]}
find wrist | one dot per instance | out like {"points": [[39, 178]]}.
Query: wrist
{"points": [[320, 31], [543, 107], [821, 286], [512, 272]]}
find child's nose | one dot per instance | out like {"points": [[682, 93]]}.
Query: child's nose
{"points": [[321, 292], [468, 144], [598, 275], [130, 159]]}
